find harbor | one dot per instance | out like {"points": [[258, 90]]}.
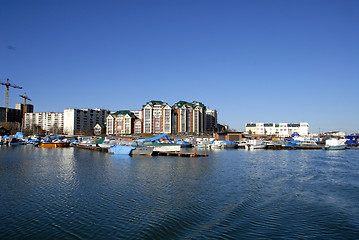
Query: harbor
{"points": [[61, 193]]}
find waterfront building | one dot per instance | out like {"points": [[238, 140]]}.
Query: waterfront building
{"points": [[120, 122], [280, 130], [157, 117], [211, 120], [82, 121], [99, 129], [50, 122], [189, 117]]}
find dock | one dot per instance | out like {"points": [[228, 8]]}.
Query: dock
{"points": [[174, 154], [180, 154], [92, 148]]}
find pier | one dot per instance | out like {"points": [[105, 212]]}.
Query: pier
{"points": [[155, 153]]}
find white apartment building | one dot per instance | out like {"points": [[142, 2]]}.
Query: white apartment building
{"points": [[279, 129], [50, 122], [82, 121]]}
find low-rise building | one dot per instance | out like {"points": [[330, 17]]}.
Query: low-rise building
{"points": [[99, 129], [279, 129]]}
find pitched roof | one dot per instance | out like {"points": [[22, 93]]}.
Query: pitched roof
{"points": [[123, 112], [154, 102], [193, 104]]}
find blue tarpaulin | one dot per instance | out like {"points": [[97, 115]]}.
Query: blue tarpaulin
{"points": [[159, 137], [120, 149], [19, 135]]}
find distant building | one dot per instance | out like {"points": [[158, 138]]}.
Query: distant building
{"points": [[99, 129], [211, 120], [82, 121], [29, 108], [14, 115], [189, 117], [336, 134], [120, 122], [50, 122], [280, 129], [157, 117]]}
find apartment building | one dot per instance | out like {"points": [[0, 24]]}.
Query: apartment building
{"points": [[211, 120], [82, 121], [279, 129], [189, 117], [120, 122], [157, 117], [50, 122]]}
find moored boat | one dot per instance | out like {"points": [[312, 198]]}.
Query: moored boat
{"points": [[255, 144], [223, 144], [142, 151], [121, 149], [54, 144], [335, 144]]}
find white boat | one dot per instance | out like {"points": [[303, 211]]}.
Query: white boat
{"points": [[107, 143], [242, 144], [255, 144], [167, 148], [88, 143], [335, 144]]}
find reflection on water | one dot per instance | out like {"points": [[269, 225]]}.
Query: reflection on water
{"points": [[231, 194]]}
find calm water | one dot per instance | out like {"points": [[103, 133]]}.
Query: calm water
{"points": [[232, 194]]}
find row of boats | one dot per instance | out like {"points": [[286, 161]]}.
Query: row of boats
{"points": [[162, 143]]}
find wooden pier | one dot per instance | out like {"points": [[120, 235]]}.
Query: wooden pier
{"points": [[92, 148], [174, 154], [181, 154]]}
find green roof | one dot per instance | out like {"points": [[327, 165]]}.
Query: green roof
{"points": [[154, 102], [123, 112], [193, 104]]}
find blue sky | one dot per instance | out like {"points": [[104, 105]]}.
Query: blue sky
{"points": [[253, 61]]}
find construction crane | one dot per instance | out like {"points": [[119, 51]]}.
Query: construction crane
{"points": [[7, 84], [24, 108]]}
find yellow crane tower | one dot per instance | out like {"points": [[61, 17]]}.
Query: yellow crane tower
{"points": [[7, 84], [24, 108]]}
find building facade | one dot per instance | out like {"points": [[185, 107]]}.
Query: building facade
{"points": [[50, 122], [29, 108], [120, 122], [99, 129], [13, 115], [211, 120], [279, 129], [157, 117], [82, 121], [189, 117]]}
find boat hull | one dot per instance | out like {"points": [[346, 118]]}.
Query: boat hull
{"points": [[342, 147], [121, 149], [54, 145], [167, 148], [142, 151]]}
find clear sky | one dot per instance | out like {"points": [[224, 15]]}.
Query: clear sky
{"points": [[253, 61]]}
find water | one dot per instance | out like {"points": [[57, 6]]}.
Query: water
{"points": [[232, 194]]}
